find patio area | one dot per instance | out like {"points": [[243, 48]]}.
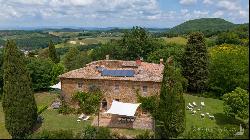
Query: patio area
{"points": [[143, 121]]}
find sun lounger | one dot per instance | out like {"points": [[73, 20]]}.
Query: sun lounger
{"points": [[190, 105], [81, 116], [211, 117], [207, 113], [86, 118], [193, 112], [202, 104], [194, 104]]}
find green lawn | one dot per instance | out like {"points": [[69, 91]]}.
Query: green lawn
{"points": [[213, 107], [53, 120], [177, 40]]}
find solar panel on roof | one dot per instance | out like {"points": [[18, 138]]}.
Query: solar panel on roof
{"points": [[118, 73], [99, 68]]}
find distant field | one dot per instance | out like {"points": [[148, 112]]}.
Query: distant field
{"points": [[53, 120], [86, 41], [177, 40]]}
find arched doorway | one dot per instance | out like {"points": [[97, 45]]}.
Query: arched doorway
{"points": [[104, 104]]}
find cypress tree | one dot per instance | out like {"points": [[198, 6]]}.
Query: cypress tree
{"points": [[19, 104], [170, 117], [52, 53], [195, 63]]}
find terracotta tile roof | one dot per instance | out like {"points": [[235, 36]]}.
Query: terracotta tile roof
{"points": [[143, 72]]}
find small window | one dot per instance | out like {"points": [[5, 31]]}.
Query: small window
{"points": [[80, 85], [93, 87], [117, 100], [116, 87], [145, 89]]}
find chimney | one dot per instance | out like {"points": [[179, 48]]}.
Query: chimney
{"points": [[161, 61], [138, 61], [107, 57]]}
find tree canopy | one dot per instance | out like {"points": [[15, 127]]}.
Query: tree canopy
{"points": [[195, 63], [170, 118], [52, 53], [19, 104]]}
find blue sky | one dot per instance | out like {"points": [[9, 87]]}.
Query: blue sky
{"points": [[117, 13]]}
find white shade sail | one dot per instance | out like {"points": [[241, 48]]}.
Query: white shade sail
{"points": [[57, 86], [120, 108]]}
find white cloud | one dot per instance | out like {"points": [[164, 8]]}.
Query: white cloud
{"points": [[184, 11], [80, 8], [207, 2], [187, 2], [114, 11], [228, 5], [200, 14], [218, 14]]}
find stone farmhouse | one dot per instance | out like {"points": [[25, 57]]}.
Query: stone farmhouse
{"points": [[118, 80]]}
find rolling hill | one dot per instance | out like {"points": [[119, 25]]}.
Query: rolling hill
{"points": [[205, 25]]}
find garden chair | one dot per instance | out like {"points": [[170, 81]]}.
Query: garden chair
{"points": [[202, 115]]}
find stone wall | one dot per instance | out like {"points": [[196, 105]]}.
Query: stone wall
{"points": [[124, 91]]}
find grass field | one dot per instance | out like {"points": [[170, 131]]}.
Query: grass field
{"points": [[53, 120], [177, 40], [213, 107], [86, 41]]}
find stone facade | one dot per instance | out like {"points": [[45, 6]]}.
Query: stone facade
{"points": [[146, 80], [124, 91]]}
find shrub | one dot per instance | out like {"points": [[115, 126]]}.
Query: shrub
{"points": [[149, 103], [88, 101], [91, 132], [236, 103], [210, 133], [54, 134], [65, 109], [103, 133], [145, 135], [228, 68]]}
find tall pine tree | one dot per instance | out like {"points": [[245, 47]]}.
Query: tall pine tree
{"points": [[52, 53], [195, 63], [170, 117], [19, 104]]}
